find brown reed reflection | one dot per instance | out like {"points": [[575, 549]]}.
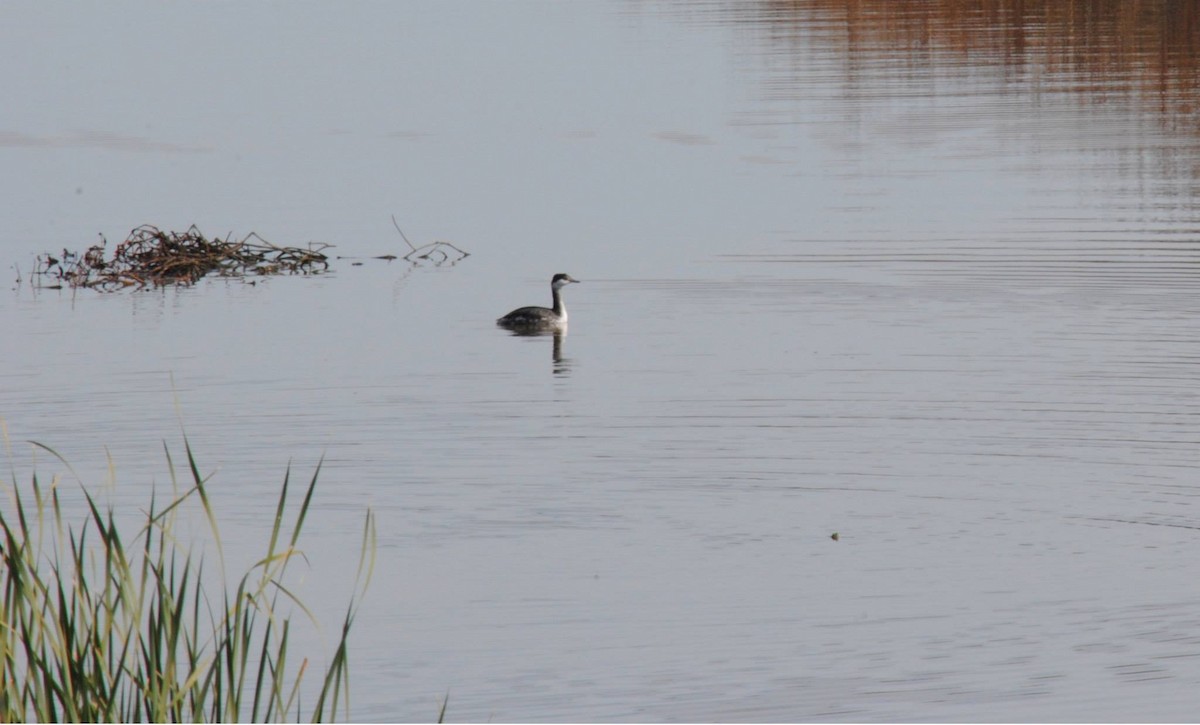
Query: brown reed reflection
{"points": [[1031, 144], [1144, 54]]}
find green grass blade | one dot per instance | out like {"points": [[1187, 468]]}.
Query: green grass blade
{"points": [[97, 625]]}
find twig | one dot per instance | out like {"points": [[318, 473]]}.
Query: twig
{"points": [[397, 225], [435, 248]]}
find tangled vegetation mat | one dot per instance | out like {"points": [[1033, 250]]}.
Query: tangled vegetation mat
{"points": [[151, 258]]}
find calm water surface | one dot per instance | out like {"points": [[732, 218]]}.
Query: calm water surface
{"points": [[920, 274]]}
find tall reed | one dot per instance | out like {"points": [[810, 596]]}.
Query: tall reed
{"points": [[96, 625]]}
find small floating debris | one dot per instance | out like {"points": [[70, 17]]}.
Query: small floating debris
{"points": [[438, 253], [435, 252], [834, 536], [150, 257]]}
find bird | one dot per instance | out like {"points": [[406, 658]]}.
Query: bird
{"points": [[543, 318]]}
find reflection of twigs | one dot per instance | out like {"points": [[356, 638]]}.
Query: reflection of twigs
{"points": [[436, 253]]}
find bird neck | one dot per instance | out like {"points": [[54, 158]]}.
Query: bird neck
{"points": [[560, 309]]}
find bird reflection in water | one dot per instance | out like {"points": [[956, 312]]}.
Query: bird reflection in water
{"points": [[562, 365]]}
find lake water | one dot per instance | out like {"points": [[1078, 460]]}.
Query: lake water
{"points": [[922, 274]]}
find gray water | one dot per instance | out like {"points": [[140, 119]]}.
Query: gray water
{"points": [[923, 275]]}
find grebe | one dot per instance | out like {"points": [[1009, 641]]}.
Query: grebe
{"points": [[541, 317]]}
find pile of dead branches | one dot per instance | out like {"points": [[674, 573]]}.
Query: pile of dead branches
{"points": [[150, 257]]}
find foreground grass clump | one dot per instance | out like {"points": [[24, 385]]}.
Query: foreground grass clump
{"points": [[99, 626]]}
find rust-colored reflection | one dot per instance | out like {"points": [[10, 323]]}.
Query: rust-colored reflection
{"points": [[1135, 63], [1099, 46]]}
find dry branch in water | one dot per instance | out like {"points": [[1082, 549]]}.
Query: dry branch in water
{"points": [[433, 252], [150, 257]]}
